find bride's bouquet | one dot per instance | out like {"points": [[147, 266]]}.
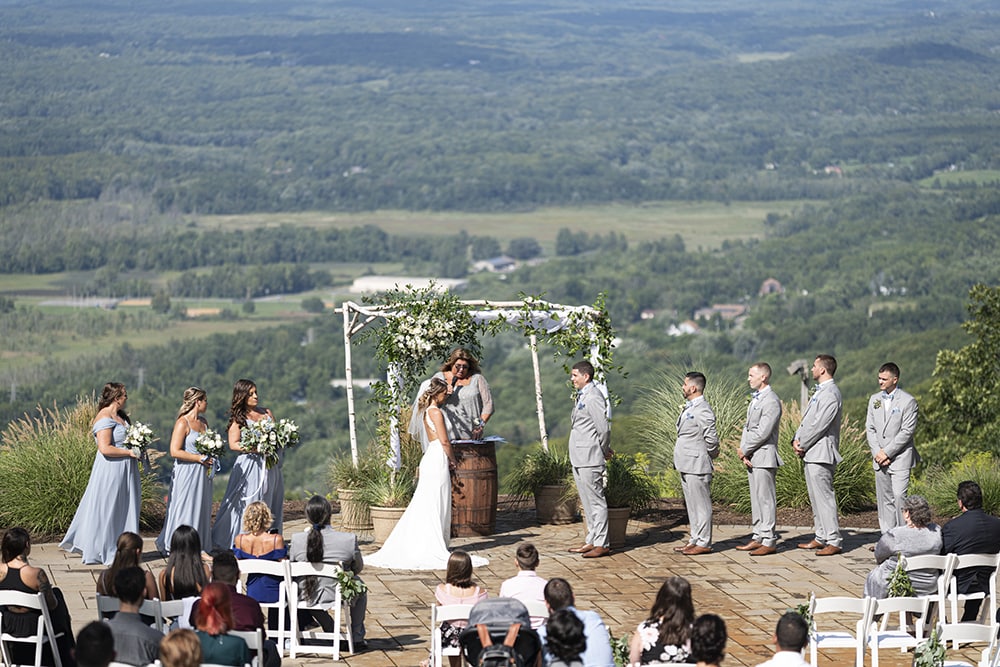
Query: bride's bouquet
{"points": [[210, 444], [138, 438], [267, 437]]}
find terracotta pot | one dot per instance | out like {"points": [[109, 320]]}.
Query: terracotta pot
{"points": [[384, 519], [551, 506], [354, 514], [617, 524]]}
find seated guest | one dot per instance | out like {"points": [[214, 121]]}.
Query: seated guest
{"points": [[971, 532], [917, 537], [213, 621], [95, 646], [247, 616], [323, 544], [564, 639], [664, 635], [708, 640], [527, 586], [790, 636], [185, 574], [128, 553], [559, 595], [180, 648], [256, 543], [457, 589], [135, 642], [17, 575]]}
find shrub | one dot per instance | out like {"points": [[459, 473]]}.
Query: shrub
{"points": [[539, 468], [854, 481], [939, 484], [313, 304], [45, 464]]}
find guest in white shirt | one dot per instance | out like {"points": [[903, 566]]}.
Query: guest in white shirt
{"points": [[790, 637], [527, 586]]}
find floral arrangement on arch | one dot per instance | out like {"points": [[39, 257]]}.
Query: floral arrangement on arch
{"points": [[422, 325]]}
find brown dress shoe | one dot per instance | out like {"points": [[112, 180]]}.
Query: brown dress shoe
{"points": [[764, 551], [829, 550], [681, 548], [814, 544], [597, 552], [581, 550], [749, 546], [695, 550]]}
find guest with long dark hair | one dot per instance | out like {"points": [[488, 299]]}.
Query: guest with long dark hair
{"points": [[323, 544], [111, 502], [128, 553], [665, 635], [186, 574]]}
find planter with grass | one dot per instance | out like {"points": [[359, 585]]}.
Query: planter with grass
{"points": [[548, 476], [630, 490]]}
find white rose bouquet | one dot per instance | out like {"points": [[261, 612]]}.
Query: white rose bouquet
{"points": [[267, 437], [210, 444], [138, 438]]}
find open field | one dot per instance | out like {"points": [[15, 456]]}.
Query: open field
{"points": [[978, 176], [704, 224]]}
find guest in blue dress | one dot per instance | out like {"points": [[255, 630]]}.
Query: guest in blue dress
{"points": [[190, 502], [250, 480], [110, 505], [256, 543]]}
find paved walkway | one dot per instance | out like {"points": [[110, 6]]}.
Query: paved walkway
{"points": [[749, 593]]}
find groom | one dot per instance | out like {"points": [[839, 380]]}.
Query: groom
{"points": [[589, 448]]}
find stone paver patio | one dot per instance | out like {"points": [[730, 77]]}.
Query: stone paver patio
{"points": [[749, 593]]}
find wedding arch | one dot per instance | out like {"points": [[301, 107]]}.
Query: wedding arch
{"points": [[423, 325]]}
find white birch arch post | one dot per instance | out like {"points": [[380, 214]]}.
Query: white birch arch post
{"points": [[530, 316]]}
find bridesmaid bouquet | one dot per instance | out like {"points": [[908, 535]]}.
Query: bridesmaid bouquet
{"points": [[211, 444], [138, 438], [266, 437]]}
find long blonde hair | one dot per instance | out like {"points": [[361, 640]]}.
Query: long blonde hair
{"points": [[191, 397], [435, 389]]}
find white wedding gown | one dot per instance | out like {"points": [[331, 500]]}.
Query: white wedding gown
{"points": [[420, 539]]}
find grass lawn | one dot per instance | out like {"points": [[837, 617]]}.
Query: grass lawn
{"points": [[704, 224]]}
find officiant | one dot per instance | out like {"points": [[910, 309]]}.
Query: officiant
{"points": [[470, 402]]}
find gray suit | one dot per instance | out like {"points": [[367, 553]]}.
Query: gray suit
{"points": [[819, 436], [890, 424], [341, 549], [589, 441], [759, 444], [697, 444]]}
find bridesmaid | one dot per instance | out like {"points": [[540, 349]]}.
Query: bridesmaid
{"points": [[110, 505], [190, 502], [250, 479]]}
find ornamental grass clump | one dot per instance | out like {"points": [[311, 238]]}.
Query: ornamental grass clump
{"points": [[939, 484], [540, 467], [45, 464]]}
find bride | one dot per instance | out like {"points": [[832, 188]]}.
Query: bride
{"points": [[420, 539]]}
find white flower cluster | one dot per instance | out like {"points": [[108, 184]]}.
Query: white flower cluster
{"points": [[266, 437], [210, 443], [139, 437], [419, 335]]}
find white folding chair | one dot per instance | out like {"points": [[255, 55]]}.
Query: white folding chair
{"points": [[255, 642], [846, 609], [880, 635], [538, 611], [943, 565], [970, 633], [107, 606], [440, 614], [989, 597], [275, 569], [44, 634], [341, 612]]}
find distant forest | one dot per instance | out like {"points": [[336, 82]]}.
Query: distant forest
{"points": [[225, 107]]}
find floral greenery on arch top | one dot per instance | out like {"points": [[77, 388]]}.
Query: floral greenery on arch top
{"points": [[423, 325]]}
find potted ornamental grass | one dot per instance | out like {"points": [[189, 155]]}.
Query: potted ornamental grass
{"points": [[630, 489], [547, 475]]}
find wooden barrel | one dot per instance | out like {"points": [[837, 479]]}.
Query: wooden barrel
{"points": [[474, 489]]}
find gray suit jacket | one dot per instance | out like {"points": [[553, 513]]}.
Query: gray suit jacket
{"points": [[590, 433], [338, 548], [697, 442], [759, 441], [892, 429], [819, 432]]}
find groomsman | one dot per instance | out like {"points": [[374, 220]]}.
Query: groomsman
{"points": [[589, 448], [697, 444], [759, 452], [890, 424], [817, 442]]}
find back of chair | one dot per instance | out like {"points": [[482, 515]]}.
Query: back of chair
{"points": [[44, 632], [440, 614], [298, 570], [255, 642], [966, 561], [107, 606], [253, 566]]}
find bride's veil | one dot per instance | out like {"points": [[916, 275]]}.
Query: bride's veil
{"points": [[416, 428]]}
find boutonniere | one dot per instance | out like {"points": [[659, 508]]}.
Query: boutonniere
{"points": [[878, 404], [749, 399]]}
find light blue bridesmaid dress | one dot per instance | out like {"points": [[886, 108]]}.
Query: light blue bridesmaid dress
{"points": [[190, 502]]}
